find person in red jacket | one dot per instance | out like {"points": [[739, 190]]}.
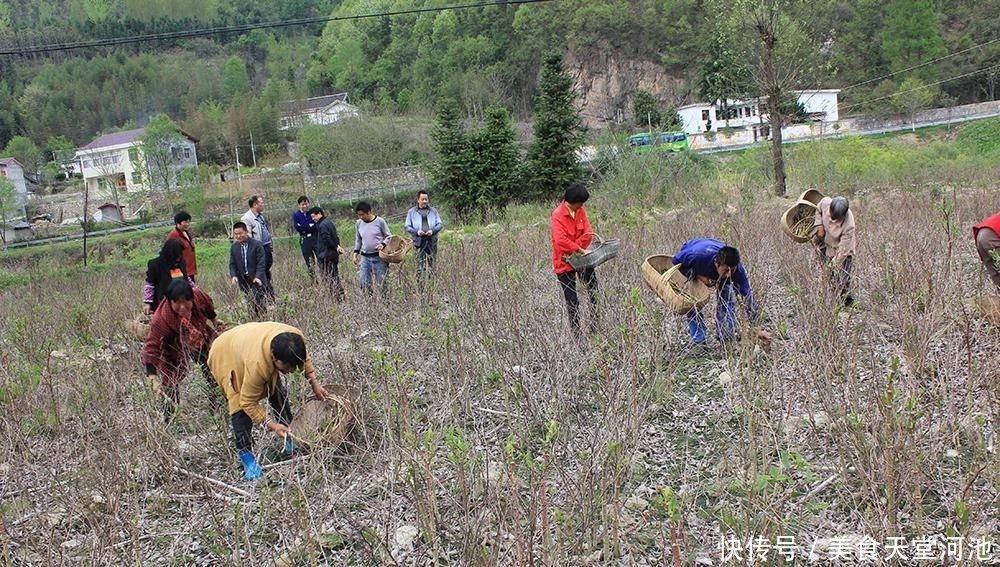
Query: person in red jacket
{"points": [[572, 233], [182, 224], [986, 233]]}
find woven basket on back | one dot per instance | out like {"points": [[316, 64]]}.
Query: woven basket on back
{"points": [[672, 286], [139, 326], [396, 250], [797, 222], [327, 422], [811, 195], [598, 253], [990, 307]]}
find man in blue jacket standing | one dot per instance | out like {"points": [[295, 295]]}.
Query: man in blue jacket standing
{"points": [[716, 265], [424, 223], [304, 225]]}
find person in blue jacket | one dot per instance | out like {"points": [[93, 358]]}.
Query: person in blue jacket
{"points": [[716, 265]]}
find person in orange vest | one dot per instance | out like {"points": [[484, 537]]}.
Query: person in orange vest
{"points": [[986, 234]]}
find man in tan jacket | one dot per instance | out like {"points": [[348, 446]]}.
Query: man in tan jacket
{"points": [[247, 361], [835, 242]]}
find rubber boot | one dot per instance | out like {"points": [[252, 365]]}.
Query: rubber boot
{"points": [[251, 469]]}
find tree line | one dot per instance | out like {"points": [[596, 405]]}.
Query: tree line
{"points": [[225, 88]]}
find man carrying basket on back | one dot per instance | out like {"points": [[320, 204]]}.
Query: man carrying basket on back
{"points": [[571, 234], [716, 265]]}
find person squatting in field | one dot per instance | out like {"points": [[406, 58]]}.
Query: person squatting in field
{"points": [[178, 333], [247, 361]]}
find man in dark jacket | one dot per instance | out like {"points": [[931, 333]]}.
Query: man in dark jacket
{"points": [[328, 251], [248, 268]]}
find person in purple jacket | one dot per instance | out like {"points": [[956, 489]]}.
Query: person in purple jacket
{"points": [[716, 265]]}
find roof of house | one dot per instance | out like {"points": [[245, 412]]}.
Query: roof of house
{"points": [[314, 103], [115, 139], [122, 138], [109, 205], [5, 161]]}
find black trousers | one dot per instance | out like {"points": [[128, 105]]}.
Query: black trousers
{"points": [[567, 281], [331, 275], [307, 244], [256, 296], [243, 425]]}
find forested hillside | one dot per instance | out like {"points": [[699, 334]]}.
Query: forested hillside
{"points": [[65, 71]]}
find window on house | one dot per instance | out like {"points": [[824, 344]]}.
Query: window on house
{"points": [[133, 154], [187, 153], [136, 178], [704, 114]]}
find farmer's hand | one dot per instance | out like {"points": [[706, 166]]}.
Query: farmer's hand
{"points": [[219, 324], [379, 246], [256, 281], [355, 259], [340, 249], [234, 280], [146, 308]]}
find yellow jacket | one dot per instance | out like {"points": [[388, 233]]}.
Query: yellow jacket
{"points": [[242, 364]]}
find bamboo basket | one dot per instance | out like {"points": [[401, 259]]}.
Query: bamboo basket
{"points": [[990, 308], [812, 195], [396, 250], [596, 255], [139, 326], [327, 423], [797, 221], [672, 286]]}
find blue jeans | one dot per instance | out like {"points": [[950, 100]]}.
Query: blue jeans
{"points": [[725, 317], [373, 265]]}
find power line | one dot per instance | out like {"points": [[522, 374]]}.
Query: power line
{"points": [[924, 64], [942, 81], [38, 49]]}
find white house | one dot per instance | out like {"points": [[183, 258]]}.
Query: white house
{"points": [[13, 170], [316, 110], [820, 105], [114, 162]]}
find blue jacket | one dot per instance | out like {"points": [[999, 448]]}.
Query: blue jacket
{"points": [[413, 223], [304, 224], [697, 258]]}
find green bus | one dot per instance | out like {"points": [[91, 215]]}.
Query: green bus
{"points": [[645, 142]]}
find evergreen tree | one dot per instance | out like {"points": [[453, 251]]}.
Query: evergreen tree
{"points": [[646, 110], [912, 37], [450, 168], [552, 164], [494, 163]]}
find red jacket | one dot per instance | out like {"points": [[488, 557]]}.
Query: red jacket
{"points": [[187, 251], [169, 345], [569, 235], [992, 223]]}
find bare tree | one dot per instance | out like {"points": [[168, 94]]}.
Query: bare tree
{"points": [[784, 57]]}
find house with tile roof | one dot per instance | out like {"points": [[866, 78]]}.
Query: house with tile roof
{"points": [[316, 110], [14, 171], [113, 165]]}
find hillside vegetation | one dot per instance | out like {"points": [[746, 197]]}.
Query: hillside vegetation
{"points": [[224, 87]]}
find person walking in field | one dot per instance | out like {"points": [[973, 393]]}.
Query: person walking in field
{"points": [[247, 362], [371, 235], [304, 225], [328, 251], [986, 234], [423, 222], [571, 233], [181, 232], [247, 268], [835, 243], [717, 265], [260, 231], [178, 333]]}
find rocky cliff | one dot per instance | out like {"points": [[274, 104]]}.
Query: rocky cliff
{"points": [[607, 83]]}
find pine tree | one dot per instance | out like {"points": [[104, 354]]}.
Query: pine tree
{"points": [[494, 167], [450, 170], [552, 164]]}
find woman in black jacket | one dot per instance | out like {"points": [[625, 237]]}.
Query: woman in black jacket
{"points": [[160, 271], [328, 251]]}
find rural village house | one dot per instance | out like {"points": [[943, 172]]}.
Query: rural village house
{"points": [[316, 110], [113, 166], [820, 105], [13, 170]]}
